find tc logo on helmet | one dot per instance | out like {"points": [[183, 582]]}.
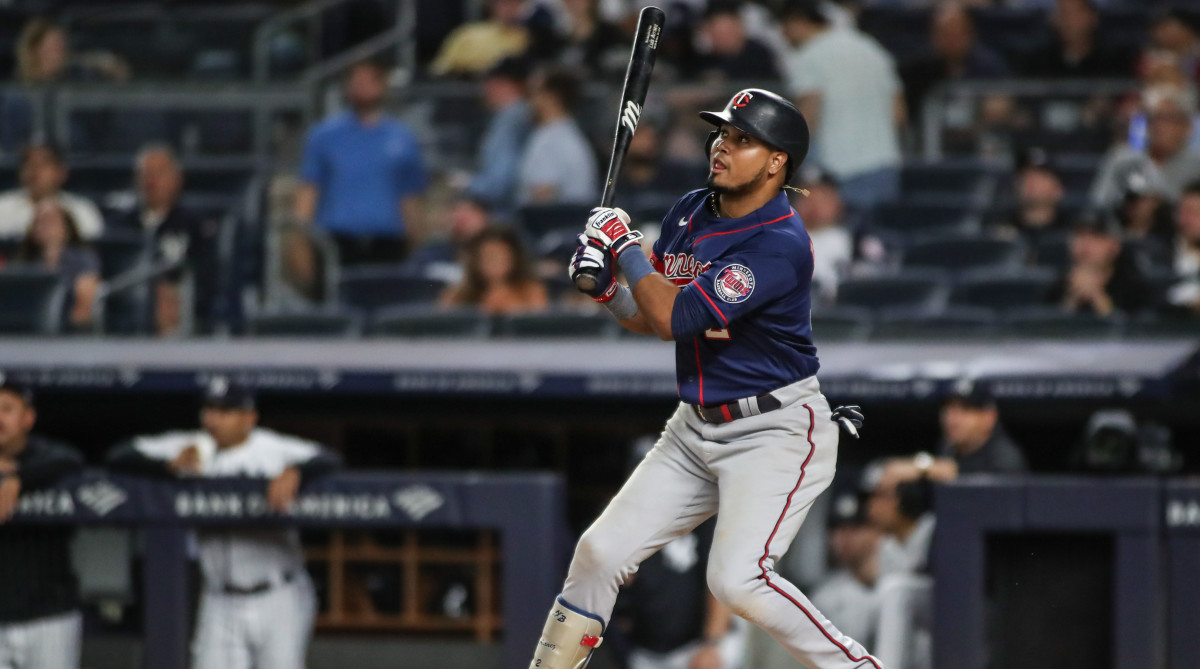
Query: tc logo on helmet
{"points": [[742, 99], [734, 284]]}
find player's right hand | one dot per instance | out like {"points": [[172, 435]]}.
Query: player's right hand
{"points": [[610, 228], [591, 258]]}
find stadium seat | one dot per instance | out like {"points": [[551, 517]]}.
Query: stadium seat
{"points": [[1003, 289], [840, 324], [557, 324], [965, 253], [962, 183], [535, 222], [1053, 250], [31, 301], [912, 219], [1053, 323], [923, 292], [332, 324], [369, 287], [1165, 326], [952, 324], [427, 321]]}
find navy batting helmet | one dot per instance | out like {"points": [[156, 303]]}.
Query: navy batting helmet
{"points": [[768, 117]]}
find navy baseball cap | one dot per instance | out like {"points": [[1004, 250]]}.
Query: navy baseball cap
{"points": [[16, 387], [972, 393], [221, 393]]}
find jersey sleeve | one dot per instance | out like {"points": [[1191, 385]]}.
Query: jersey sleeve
{"points": [[164, 446], [732, 287]]}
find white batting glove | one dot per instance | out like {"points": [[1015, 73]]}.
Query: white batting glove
{"points": [[610, 228]]}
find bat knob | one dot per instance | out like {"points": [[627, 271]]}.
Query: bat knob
{"points": [[585, 281]]}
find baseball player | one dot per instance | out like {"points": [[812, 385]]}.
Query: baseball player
{"points": [[257, 606], [40, 625], [753, 440]]}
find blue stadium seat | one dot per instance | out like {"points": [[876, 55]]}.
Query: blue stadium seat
{"points": [[31, 301], [1163, 326], [370, 287], [1001, 289], [428, 321], [919, 292], [952, 324], [1053, 323], [925, 219], [840, 324], [557, 324], [964, 183], [325, 324], [965, 253]]}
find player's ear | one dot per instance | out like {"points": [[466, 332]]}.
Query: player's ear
{"points": [[777, 163]]}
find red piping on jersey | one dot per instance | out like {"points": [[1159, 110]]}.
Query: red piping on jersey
{"points": [[714, 305], [730, 232], [690, 223], [812, 448], [699, 370]]}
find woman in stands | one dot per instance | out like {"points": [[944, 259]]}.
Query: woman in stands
{"points": [[53, 242], [498, 277]]}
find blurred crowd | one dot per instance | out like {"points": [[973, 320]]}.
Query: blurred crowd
{"points": [[492, 237]]}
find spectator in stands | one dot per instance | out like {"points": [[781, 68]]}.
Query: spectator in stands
{"points": [[498, 277], [1039, 199], [466, 218], [40, 624], [248, 574], [1169, 113], [44, 57], [1145, 213], [43, 173], [833, 245], [650, 182], [558, 165], [1076, 50], [176, 234], [592, 45], [955, 54], [53, 243], [1103, 277], [363, 175], [732, 56], [504, 141], [1184, 293], [474, 48], [847, 596], [1174, 31], [845, 83]]}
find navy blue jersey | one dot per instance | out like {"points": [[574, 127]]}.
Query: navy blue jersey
{"points": [[746, 281]]}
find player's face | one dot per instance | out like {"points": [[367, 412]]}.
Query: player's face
{"points": [[228, 427], [16, 420], [964, 425], [738, 162]]}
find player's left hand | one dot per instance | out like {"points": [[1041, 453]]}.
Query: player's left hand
{"points": [[849, 418], [610, 228], [282, 490], [10, 492], [591, 257], [708, 657]]}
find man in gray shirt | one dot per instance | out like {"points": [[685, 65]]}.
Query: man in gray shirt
{"points": [[558, 165]]}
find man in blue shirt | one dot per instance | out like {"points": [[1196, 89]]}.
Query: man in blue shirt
{"points": [[363, 174], [500, 151], [753, 440]]}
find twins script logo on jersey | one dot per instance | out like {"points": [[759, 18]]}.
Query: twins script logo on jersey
{"points": [[734, 284], [682, 266], [631, 115]]}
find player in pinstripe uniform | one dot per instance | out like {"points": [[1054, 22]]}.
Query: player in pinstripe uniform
{"points": [[39, 594], [257, 606]]}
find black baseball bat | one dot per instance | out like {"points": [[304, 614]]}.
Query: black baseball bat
{"points": [[633, 96]]}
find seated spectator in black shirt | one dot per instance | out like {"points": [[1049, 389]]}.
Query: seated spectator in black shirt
{"points": [[1076, 51], [176, 233], [1144, 211], [591, 44], [1102, 277], [955, 54], [53, 242], [1175, 31], [1184, 293], [649, 182], [40, 625], [1038, 192], [731, 55]]}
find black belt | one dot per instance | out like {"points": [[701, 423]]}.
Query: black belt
{"points": [[724, 413], [257, 588]]}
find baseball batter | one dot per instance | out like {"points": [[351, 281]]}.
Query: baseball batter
{"points": [[753, 440], [257, 606]]}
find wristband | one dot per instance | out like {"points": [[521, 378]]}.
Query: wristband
{"points": [[635, 265], [622, 305]]}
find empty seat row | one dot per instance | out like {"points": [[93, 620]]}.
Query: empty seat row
{"points": [[429, 321]]}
